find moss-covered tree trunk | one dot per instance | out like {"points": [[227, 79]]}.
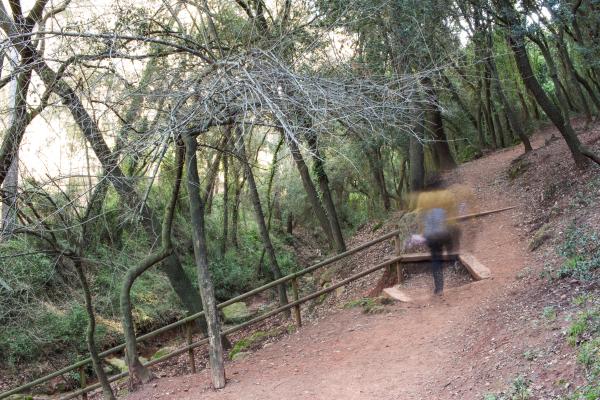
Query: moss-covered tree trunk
{"points": [[216, 360], [323, 180]]}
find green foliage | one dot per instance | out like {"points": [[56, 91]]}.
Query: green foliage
{"points": [[49, 330], [519, 390], [530, 355], [467, 153], [549, 313], [584, 333], [581, 250], [586, 323]]}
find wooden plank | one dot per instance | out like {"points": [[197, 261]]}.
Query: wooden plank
{"points": [[397, 294], [418, 257], [477, 269]]}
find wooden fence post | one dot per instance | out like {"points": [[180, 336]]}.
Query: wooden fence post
{"points": [[296, 307], [188, 333], [83, 381], [398, 252]]}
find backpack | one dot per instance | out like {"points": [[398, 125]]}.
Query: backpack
{"points": [[435, 223]]}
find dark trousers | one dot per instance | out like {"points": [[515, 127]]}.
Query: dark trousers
{"points": [[436, 244]]}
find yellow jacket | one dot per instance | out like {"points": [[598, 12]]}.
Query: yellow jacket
{"points": [[437, 199]]}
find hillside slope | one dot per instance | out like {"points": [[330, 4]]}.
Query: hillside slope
{"points": [[506, 334]]}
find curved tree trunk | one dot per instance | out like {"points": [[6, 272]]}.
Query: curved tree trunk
{"points": [[137, 372], [90, 334]]}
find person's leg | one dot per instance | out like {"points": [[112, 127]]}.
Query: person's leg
{"points": [[436, 248]]}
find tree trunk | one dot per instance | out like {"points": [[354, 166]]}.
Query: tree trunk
{"points": [[290, 223], [488, 108], [499, 128], [512, 116], [215, 349], [235, 212], [570, 73], [17, 101], [525, 108], [137, 371], [436, 127], [9, 152], [458, 99], [536, 109], [417, 159], [9, 204], [574, 75], [225, 235], [271, 204], [563, 125], [319, 169], [480, 124], [376, 164], [309, 188], [589, 90], [90, 333], [260, 218]]}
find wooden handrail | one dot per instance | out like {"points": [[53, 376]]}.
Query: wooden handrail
{"points": [[253, 321], [193, 317], [481, 214]]}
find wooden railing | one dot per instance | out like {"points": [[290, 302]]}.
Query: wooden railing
{"points": [[188, 321]]}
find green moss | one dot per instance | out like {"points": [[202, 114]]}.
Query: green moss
{"points": [[236, 313], [517, 168], [248, 342], [369, 305]]}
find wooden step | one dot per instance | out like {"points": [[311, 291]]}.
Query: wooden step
{"points": [[395, 293], [418, 257], [477, 269]]}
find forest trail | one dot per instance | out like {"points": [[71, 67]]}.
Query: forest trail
{"points": [[434, 349]]}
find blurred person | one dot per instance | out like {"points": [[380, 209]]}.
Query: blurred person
{"points": [[437, 211]]}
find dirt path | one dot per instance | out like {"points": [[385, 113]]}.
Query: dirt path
{"points": [[437, 349]]}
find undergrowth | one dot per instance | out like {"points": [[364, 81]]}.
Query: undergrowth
{"points": [[41, 303], [518, 390], [584, 335], [581, 251]]}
